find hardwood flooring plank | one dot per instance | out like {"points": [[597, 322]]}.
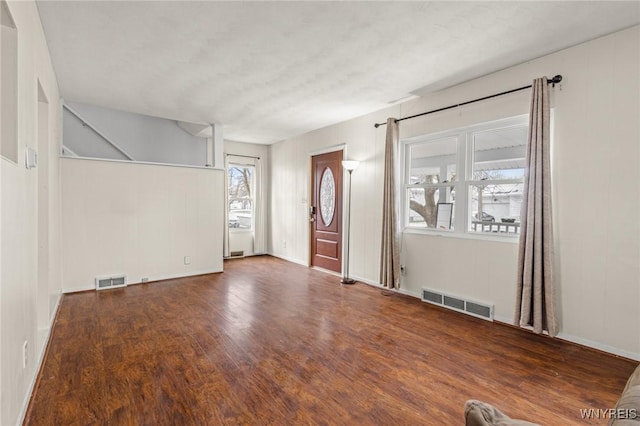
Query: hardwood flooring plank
{"points": [[270, 342]]}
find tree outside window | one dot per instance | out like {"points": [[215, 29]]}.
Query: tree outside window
{"points": [[478, 168], [240, 181]]}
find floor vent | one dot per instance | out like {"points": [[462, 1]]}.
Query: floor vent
{"points": [[477, 309], [105, 283], [239, 253]]}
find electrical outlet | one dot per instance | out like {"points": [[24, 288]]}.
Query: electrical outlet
{"points": [[144, 279], [284, 243], [24, 354], [187, 260]]}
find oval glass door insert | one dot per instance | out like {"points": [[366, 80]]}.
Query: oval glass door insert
{"points": [[327, 196]]}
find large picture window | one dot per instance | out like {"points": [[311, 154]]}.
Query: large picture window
{"points": [[478, 171]]}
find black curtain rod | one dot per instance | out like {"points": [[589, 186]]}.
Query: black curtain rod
{"points": [[553, 81], [245, 156]]}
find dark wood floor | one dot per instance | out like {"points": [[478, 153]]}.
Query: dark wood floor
{"points": [[270, 342]]}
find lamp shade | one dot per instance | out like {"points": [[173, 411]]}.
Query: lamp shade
{"points": [[350, 165]]}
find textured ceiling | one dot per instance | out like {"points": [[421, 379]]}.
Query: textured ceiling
{"points": [[268, 71]]}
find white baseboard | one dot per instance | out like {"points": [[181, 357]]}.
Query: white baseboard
{"points": [[326, 271], [580, 341], [289, 259], [562, 336], [504, 320], [367, 281], [380, 286], [151, 279], [55, 310], [180, 275], [78, 289], [410, 293], [40, 359], [599, 346]]}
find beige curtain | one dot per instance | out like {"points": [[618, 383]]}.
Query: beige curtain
{"points": [[535, 305], [390, 253]]}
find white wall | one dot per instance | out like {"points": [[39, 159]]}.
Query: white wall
{"points": [[596, 183], [140, 220], [144, 138], [19, 290], [290, 182]]}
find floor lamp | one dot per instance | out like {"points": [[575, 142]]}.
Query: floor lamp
{"points": [[350, 166]]}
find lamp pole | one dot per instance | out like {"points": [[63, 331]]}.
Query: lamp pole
{"points": [[349, 166]]}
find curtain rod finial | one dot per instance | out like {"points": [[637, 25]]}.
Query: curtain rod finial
{"points": [[556, 79], [376, 125]]}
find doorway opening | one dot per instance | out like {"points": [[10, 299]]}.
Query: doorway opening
{"points": [[45, 297], [244, 207]]}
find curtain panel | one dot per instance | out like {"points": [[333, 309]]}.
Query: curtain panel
{"points": [[390, 253], [535, 304]]}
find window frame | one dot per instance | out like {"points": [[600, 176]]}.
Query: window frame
{"points": [[406, 185], [461, 223], [252, 197]]}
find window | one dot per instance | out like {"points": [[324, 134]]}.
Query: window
{"points": [[431, 179], [478, 169], [9, 84], [241, 190]]}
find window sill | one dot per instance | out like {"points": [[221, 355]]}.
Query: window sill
{"points": [[510, 239]]}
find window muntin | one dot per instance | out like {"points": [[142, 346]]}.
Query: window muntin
{"points": [[423, 205], [497, 179], [499, 153], [500, 203], [431, 177], [241, 190], [476, 168], [433, 162]]}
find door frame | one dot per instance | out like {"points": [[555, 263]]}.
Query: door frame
{"points": [[259, 209], [310, 189]]}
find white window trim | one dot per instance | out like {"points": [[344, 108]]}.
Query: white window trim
{"points": [[252, 198], [464, 163]]}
